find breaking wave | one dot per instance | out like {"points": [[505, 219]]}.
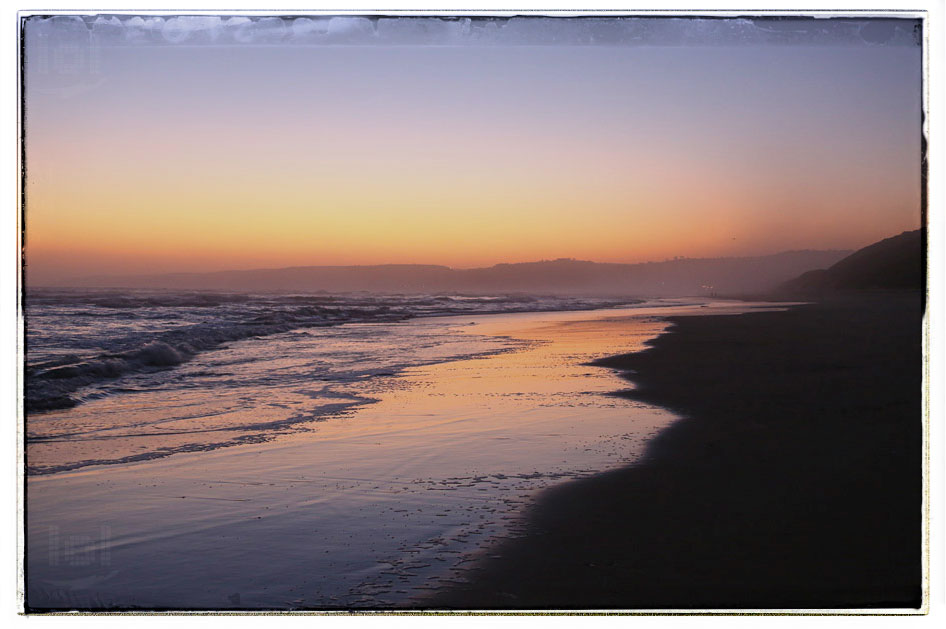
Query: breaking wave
{"points": [[80, 338]]}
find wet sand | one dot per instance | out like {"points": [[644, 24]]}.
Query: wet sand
{"points": [[373, 508], [794, 479]]}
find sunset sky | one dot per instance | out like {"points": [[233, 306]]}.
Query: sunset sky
{"points": [[157, 145]]}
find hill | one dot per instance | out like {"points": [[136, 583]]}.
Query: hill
{"points": [[682, 276], [891, 264]]}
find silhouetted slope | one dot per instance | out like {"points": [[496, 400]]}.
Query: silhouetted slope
{"points": [[683, 276], [893, 263]]}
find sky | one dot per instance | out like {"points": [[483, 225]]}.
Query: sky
{"points": [[195, 144]]}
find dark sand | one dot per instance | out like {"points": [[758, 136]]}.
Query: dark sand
{"points": [[793, 481]]}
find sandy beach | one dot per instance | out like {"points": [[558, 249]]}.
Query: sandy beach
{"points": [[375, 507], [794, 479]]}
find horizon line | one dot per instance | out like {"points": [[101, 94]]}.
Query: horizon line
{"points": [[433, 265]]}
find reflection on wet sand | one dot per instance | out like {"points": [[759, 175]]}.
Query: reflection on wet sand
{"points": [[372, 509]]}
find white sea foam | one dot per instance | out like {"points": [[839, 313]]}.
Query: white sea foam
{"points": [[165, 372], [109, 334]]}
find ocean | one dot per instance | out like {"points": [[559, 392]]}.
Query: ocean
{"points": [[183, 371], [224, 451]]}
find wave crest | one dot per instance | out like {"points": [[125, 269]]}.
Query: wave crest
{"points": [[221, 318]]}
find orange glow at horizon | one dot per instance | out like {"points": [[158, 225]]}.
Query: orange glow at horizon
{"points": [[172, 166]]}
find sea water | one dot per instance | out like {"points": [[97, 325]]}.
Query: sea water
{"points": [[118, 376], [369, 460]]}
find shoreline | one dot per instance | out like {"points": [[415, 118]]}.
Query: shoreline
{"points": [[65, 376], [371, 511], [792, 480], [243, 435]]}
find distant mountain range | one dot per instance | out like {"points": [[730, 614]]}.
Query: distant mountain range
{"points": [[682, 276], [893, 263]]}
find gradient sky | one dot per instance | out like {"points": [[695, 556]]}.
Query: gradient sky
{"points": [[232, 144]]}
